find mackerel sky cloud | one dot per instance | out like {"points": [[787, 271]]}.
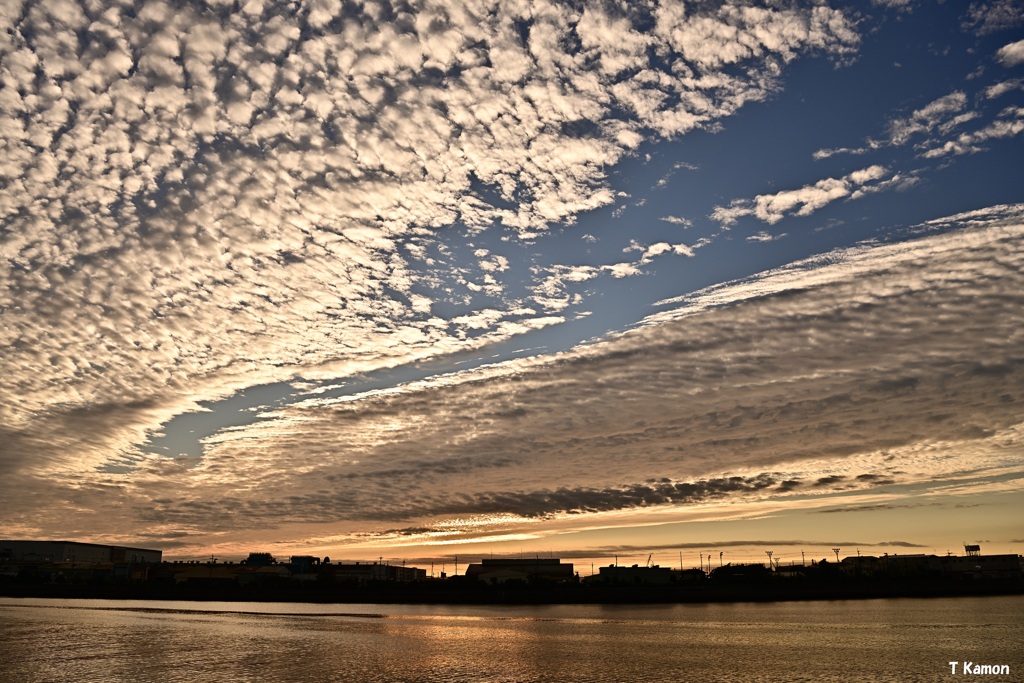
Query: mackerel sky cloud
{"points": [[309, 273]]}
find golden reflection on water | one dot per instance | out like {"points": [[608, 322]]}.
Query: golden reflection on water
{"points": [[898, 640]]}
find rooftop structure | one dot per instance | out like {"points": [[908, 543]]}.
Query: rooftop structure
{"points": [[74, 552], [502, 570], [635, 575]]}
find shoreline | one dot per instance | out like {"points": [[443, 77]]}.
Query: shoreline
{"points": [[467, 593]]}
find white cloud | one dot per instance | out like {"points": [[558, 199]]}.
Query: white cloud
{"points": [[552, 291], [901, 5], [197, 200], [1009, 123], [764, 236], [940, 114], [988, 17], [826, 153], [1012, 54], [999, 89], [808, 199], [933, 128], [678, 220]]}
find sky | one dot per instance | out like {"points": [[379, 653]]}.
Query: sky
{"points": [[436, 280]]}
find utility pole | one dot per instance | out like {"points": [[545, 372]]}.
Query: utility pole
{"points": [[720, 554], [769, 554], [836, 551]]}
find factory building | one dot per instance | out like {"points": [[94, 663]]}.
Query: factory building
{"points": [[634, 576], [375, 571], [502, 570], [73, 552]]}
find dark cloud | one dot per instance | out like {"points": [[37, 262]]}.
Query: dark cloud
{"points": [[582, 500], [403, 504], [873, 508]]}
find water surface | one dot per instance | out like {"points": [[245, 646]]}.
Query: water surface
{"points": [[865, 640]]}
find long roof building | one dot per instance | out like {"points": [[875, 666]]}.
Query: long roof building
{"points": [[74, 552]]}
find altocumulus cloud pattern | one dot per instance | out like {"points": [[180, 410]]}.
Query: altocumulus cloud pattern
{"points": [[200, 198]]}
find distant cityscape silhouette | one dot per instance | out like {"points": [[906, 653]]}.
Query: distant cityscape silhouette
{"points": [[74, 569]]}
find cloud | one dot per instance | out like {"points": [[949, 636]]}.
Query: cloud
{"points": [[196, 201], [772, 208], [664, 180], [1012, 54], [942, 114], [1000, 213], [1009, 123], [678, 220], [764, 236], [1004, 87], [582, 500], [796, 383], [989, 17], [657, 249], [900, 5], [868, 508], [932, 129], [552, 293], [826, 153]]}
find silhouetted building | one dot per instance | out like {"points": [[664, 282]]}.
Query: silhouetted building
{"points": [[502, 570], [986, 566], [916, 564], [790, 571], [862, 565], [375, 571], [689, 575], [635, 575], [741, 572], [304, 561], [74, 552]]}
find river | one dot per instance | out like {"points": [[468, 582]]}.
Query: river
{"points": [[857, 640]]}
